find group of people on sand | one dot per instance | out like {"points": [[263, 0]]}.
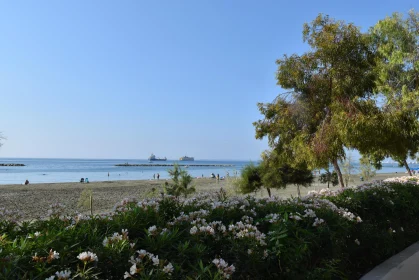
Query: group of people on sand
{"points": [[158, 176], [218, 177]]}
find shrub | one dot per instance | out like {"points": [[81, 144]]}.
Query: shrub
{"points": [[324, 235]]}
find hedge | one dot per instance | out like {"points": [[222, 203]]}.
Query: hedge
{"points": [[325, 235]]}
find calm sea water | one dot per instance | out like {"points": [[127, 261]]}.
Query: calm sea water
{"points": [[71, 170]]}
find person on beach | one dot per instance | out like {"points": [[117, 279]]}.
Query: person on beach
{"points": [[218, 177], [108, 174], [158, 176], [26, 182], [154, 176]]}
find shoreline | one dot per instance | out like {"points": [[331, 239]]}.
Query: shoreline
{"points": [[33, 200]]}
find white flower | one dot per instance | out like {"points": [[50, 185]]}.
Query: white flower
{"points": [[132, 245], [54, 255], [105, 242], [155, 260], [142, 253], [401, 229], [249, 251], [193, 230], [265, 254], [133, 269], [87, 257], [358, 220], [309, 213], [37, 234], [152, 230], [168, 269], [63, 275], [127, 275], [317, 222], [357, 242], [50, 278]]}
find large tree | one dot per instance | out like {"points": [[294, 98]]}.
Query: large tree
{"points": [[396, 40], [326, 86]]}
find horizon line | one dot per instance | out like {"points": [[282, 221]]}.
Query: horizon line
{"points": [[250, 160]]}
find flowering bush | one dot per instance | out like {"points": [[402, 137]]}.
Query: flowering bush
{"points": [[324, 235]]}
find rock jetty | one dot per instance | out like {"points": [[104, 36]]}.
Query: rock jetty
{"points": [[158, 164], [12, 164]]}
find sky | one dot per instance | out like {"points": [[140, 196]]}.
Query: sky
{"points": [[124, 79]]}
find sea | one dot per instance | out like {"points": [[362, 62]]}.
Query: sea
{"points": [[44, 170]]}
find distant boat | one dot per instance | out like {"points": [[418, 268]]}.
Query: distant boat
{"points": [[185, 158], [154, 158]]}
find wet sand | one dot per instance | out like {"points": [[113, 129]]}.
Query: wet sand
{"points": [[33, 200]]}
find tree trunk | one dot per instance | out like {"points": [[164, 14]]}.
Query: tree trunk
{"points": [[407, 168], [337, 169], [269, 191], [298, 190]]}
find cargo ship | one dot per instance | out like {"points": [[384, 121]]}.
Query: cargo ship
{"points": [[154, 158], [185, 158]]}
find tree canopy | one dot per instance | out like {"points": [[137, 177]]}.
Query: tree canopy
{"points": [[328, 85]]}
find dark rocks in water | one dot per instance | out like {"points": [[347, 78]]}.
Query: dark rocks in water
{"points": [[12, 164]]}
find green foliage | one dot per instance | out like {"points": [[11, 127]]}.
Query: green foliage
{"points": [[262, 238], [329, 178], [272, 174], [181, 182], [251, 179], [327, 87], [395, 133], [277, 173]]}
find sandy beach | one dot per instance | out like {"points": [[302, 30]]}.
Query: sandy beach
{"points": [[33, 200]]}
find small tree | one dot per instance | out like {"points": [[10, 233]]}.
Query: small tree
{"points": [[181, 181], [251, 179], [367, 169], [271, 173], [329, 178]]}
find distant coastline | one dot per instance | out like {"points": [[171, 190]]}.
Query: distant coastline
{"points": [[12, 164]]}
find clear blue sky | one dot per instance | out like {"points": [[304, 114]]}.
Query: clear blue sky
{"points": [[122, 79]]}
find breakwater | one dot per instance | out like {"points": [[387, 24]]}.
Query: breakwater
{"points": [[12, 164], [159, 164]]}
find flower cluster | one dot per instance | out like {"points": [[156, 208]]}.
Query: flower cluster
{"points": [[223, 268], [143, 259], [414, 180], [116, 238], [87, 257], [61, 275]]}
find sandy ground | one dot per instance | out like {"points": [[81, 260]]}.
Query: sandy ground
{"points": [[33, 200]]}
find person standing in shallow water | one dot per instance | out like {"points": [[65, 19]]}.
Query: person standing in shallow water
{"points": [[158, 176], [154, 176]]}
